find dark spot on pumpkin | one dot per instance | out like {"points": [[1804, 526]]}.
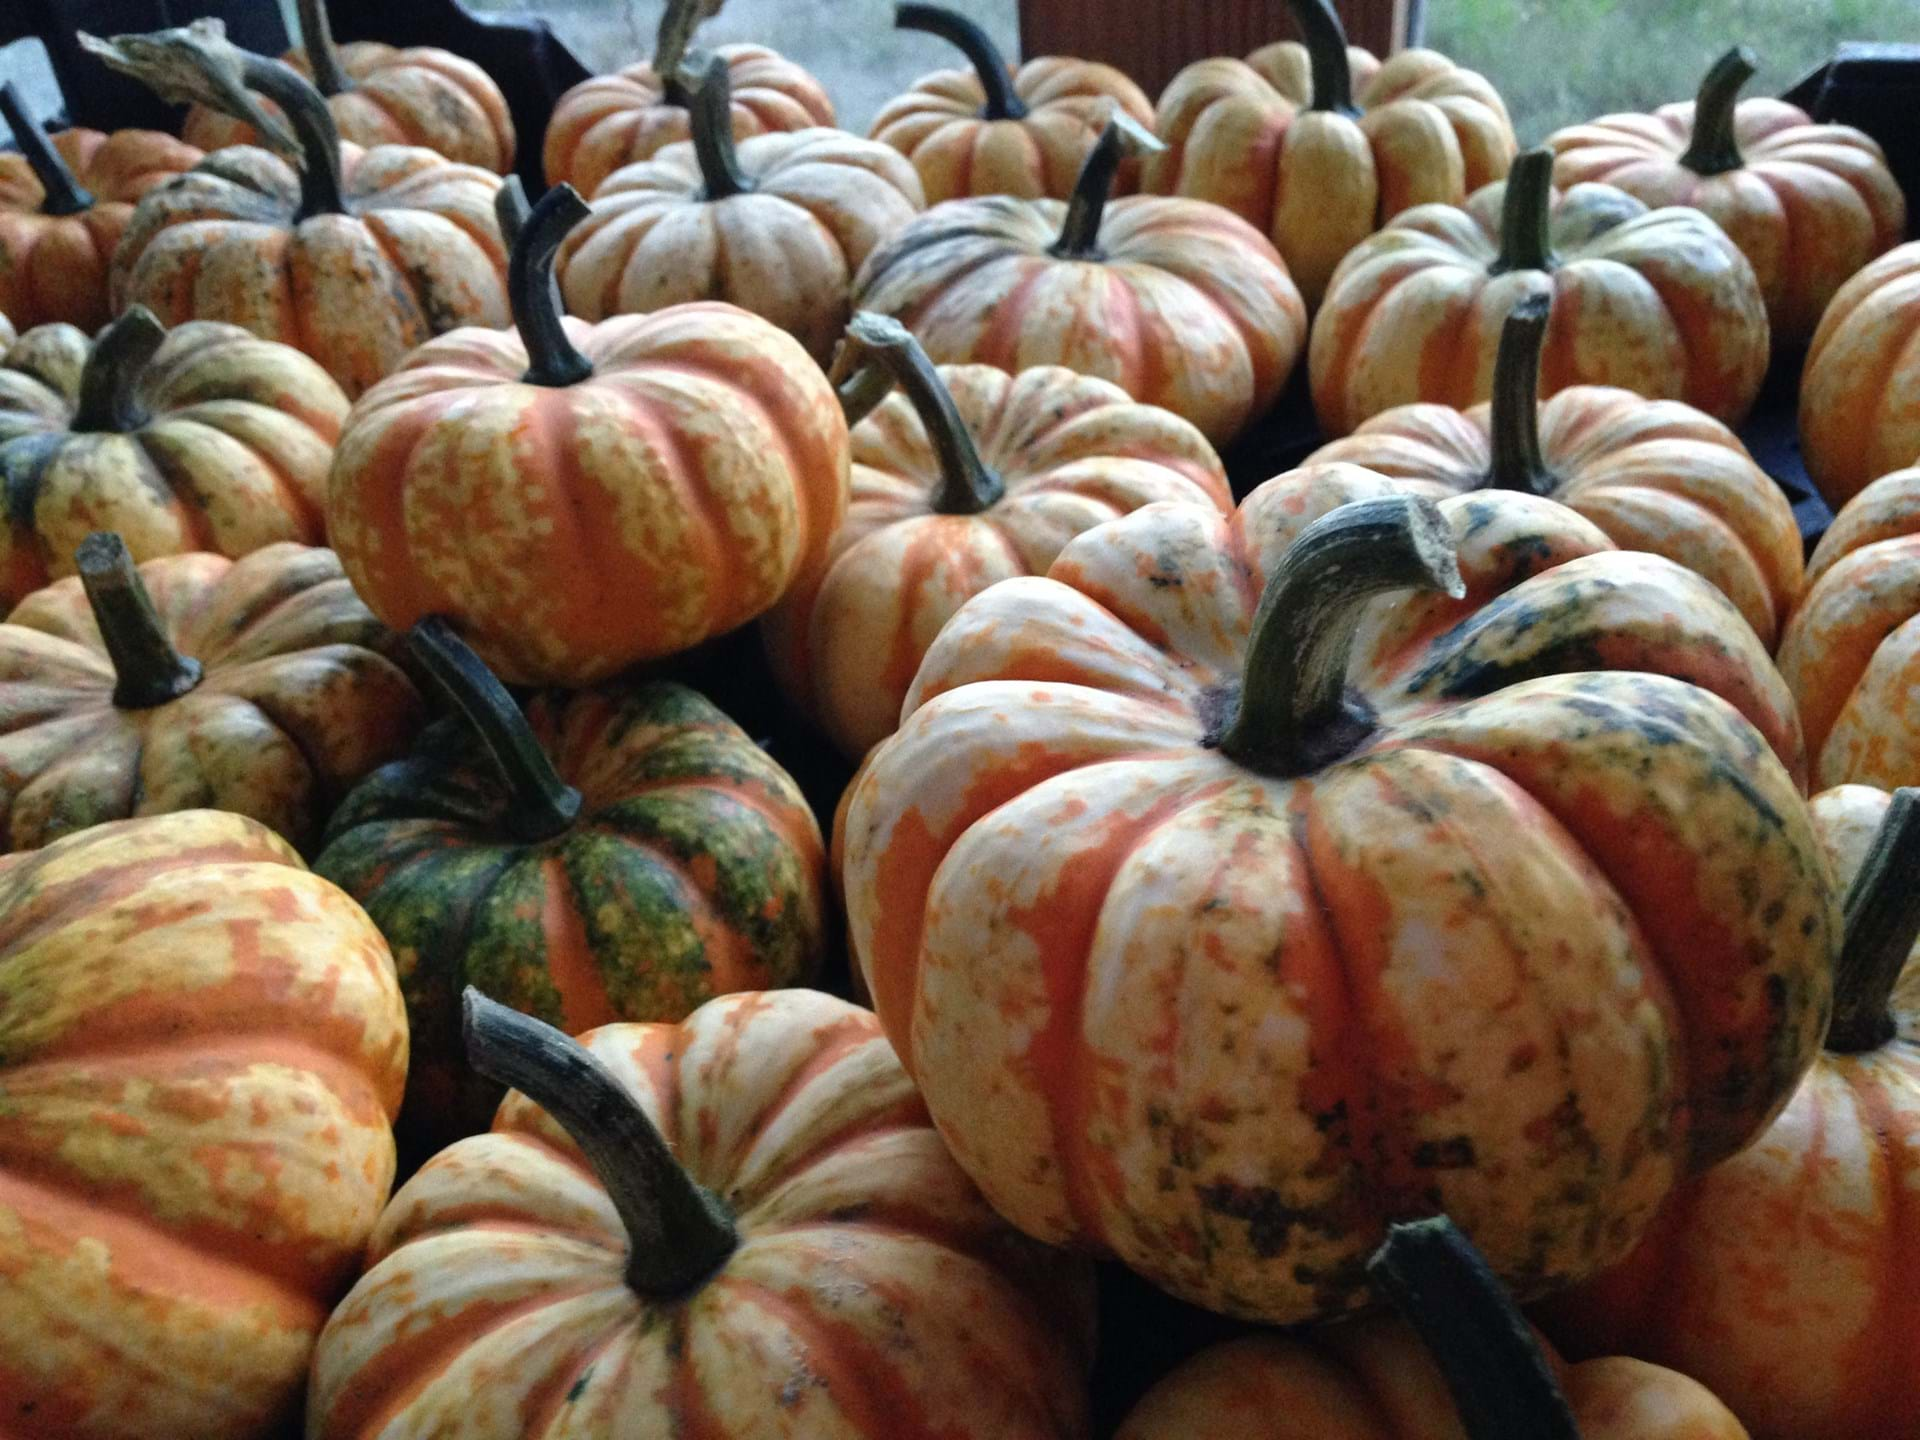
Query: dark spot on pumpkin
{"points": [[1454, 1153], [579, 1386], [1269, 1219]]}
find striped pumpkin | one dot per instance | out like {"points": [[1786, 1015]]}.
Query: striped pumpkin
{"points": [[194, 1141], [1859, 415]]}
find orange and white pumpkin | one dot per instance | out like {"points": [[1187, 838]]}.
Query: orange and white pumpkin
{"points": [[1860, 391]]}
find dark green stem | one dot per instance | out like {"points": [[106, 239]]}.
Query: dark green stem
{"points": [[877, 343], [987, 61], [65, 195], [1713, 149], [678, 1233], [1296, 714], [316, 36], [1093, 187], [147, 670], [711, 120], [540, 804], [1326, 44], [536, 301], [1883, 920], [306, 111], [1515, 421], [677, 23], [1500, 1380], [1526, 243], [108, 402]]}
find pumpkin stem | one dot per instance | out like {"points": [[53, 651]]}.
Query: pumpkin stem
{"points": [[678, 1233], [1003, 103], [316, 34], [147, 670], [1883, 920], [1295, 712], [1515, 421], [64, 194], [711, 118], [677, 24], [108, 403], [536, 303], [882, 345], [1500, 1380], [1525, 241], [197, 64], [1326, 42], [542, 805], [1093, 187], [1714, 150]]}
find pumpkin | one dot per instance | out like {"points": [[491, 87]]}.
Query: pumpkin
{"points": [[1655, 475], [199, 438], [194, 1105], [965, 476], [1321, 144], [255, 686], [1860, 392], [1781, 1278], [778, 227], [1178, 302], [1659, 302], [641, 485], [994, 130], [608, 122], [1461, 1365], [1807, 204], [1223, 918], [1850, 651], [355, 258], [620, 853], [64, 203], [380, 95], [738, 1225], [7, 333]]}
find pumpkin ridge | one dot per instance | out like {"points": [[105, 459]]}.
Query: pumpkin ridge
{"points": [[29, 911], [848, 1034], [542, 1407]]}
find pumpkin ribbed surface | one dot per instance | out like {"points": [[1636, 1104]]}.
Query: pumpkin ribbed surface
{"points": [[1860, 391]]}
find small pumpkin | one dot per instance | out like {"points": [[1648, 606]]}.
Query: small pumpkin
{"points": [[65, 201], [622, 853], [198, 438], [195, 1090], [1655, 475], [580, 498], [1659, 302], [1320, 144], [1223, 918], [1178, 302], [738, 1225], [1782, 1277], [380, 95], [994, 130], [1860, 391], [1851, 653], [779, 226], [965, 476], [608, 122], [255, 686], [355, 258], [1807, 204]]}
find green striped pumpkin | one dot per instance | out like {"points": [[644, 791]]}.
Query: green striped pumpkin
{"points": [[624, 852]]}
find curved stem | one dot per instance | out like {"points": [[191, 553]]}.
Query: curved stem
{"points": [[1326, 44], [147, 670], [535, 299], [1525, 241], [1093, 187], [1713, 149], [316, 36], [1295, 713], [877, 343], [107, 403], [1883, 921], [1500, 1380], [710, 117], [540, 804], [64, 194], [510, 209], [677, 1233], [677, 24], [1515, 421], [985, 57]]}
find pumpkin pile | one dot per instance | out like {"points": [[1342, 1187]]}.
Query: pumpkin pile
{"points": [[782, 737]]}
